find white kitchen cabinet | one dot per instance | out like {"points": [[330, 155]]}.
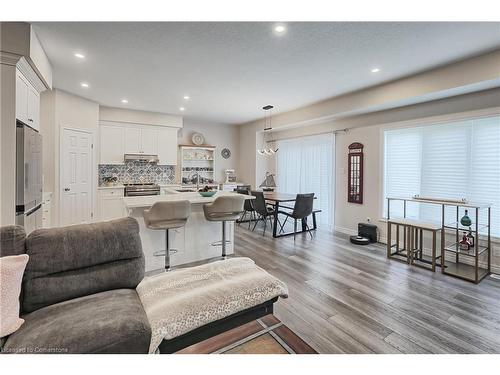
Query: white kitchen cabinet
{"points": [[117, 140], [133, 140], [112, 144], [27, 102], [111, 204], [149, 140], [141, 140], [33, 108], [21, 98], [167, 146]]}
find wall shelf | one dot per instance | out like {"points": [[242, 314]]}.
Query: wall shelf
{"points": [[197, 158]]}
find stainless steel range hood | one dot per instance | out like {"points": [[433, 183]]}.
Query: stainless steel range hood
{"points": [[148, 158]]}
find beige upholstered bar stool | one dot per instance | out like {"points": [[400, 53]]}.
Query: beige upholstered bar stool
{"points": [[224, 209], [165, 216]]}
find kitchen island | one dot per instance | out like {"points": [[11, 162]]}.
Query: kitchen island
{"points": [[198, 240]]}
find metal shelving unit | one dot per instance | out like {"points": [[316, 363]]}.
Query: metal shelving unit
{"points": [[478, 259]]}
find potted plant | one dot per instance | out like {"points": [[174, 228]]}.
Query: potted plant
{"points": [[109, 180]]}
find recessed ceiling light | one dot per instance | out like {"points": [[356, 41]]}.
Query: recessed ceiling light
{"points": [[79, 55], [375, 70], [124, 101], [280, 29], [186, 97], [182, 109], [84, 84]]}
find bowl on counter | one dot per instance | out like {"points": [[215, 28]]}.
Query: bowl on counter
{"points": [[207, 193]]}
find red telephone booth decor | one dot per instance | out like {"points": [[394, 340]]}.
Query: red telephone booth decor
{"points": [[355, 173]]}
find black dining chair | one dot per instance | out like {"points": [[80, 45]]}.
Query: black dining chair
{"points": [[302, 209], [262, 210], [248, 207]]}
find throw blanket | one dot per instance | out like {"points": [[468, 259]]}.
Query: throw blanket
{"points": [[182, 300]]}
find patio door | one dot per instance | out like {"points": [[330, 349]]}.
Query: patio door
{"points": [[307, 165]]}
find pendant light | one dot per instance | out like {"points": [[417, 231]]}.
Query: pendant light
{"points": [[267, 151]]}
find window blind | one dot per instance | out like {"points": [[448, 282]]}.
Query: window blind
{"points": [[306, 165], [452, 160]]}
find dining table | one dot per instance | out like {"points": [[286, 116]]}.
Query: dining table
{"points": [[284, 200]]}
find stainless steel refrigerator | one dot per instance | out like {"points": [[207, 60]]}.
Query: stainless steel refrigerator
{"points": [[28, 177]]}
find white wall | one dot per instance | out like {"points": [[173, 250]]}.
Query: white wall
{"points": [[60, 109], [7, 144], [218, 135], [48, 132], [39, 60]]}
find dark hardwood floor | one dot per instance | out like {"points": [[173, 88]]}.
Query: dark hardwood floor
{"points": [[351, 299]]}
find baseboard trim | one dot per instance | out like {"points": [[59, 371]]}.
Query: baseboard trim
{"points": [[347, 231]]}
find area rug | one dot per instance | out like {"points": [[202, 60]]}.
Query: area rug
{"points": [[267, 335]]}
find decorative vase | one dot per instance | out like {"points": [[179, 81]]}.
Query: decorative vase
{"points": [[465, 220]]}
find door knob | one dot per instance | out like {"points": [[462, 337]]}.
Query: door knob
{"points": [[67, 189]]}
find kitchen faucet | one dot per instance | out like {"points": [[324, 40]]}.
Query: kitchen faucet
{"points": [[197, 179]]}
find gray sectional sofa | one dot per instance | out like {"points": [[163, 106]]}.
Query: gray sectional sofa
{"points": [[78, 292]]}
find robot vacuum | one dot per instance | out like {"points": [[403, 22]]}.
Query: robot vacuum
{"points": [[359, 240], [367, 233]]}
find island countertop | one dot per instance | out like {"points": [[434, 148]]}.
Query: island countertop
{"points": [[193, 197]]}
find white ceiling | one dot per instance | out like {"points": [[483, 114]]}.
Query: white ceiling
{"points": [[231, 70]]}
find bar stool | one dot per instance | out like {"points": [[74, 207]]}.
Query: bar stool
{"points": [[165, 216], [224, 208], [412, 251]]}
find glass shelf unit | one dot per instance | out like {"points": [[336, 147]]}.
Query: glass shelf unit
{"points": [[455, 248], [464, 229], [473, 265]]}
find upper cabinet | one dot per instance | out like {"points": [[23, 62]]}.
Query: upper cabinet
{"points": [[167, 150], [117, 140], [141, 140], [112, 144], [27, 102], [133, 140], [21, 98], [34, 107], [149, 140]]}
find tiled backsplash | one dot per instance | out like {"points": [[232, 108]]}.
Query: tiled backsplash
{"points": [[138, 172]]}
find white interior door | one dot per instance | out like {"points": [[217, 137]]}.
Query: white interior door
{"points": [[76, 178]]}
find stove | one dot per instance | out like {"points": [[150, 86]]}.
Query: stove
{"points": [[137, 190]]}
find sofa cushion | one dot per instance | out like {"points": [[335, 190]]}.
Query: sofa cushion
{"points": [[11, 276], [12, 238], [80, 260], [107, 322]]}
